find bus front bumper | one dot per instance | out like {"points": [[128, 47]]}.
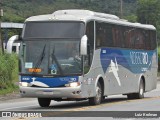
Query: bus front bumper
{"points": [[63, 92]]}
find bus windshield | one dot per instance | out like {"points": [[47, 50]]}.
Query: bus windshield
{"points": [[48, 52], [53, 30], [57, 57]]}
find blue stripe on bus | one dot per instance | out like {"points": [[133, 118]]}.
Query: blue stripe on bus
{"points": [[51, 82], [137, 61]]}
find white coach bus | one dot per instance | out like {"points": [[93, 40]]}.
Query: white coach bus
{"points": [[81, 54]]}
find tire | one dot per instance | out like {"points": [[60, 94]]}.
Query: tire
{"points": [[98, 98], [140, 93], [130, 96], [44, 102]]}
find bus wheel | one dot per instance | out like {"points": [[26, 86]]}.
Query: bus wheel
{"points": [[98, 98], [140, 93], [44, 102]]}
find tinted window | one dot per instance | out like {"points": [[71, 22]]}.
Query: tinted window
{"points": [[109, 35], [118, 36], [90, 35], [104, 35], [53, 30], [153, 39]]}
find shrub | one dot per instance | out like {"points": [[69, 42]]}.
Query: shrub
{"points": [[8, 70], [158, 58]]}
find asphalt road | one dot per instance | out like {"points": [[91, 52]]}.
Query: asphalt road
{"points": [[118, 104]]}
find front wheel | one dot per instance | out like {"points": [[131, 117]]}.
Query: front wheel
{"points": [[44, 102], [98, 98]]}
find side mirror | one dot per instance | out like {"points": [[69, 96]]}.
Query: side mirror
{"points": [[10, 43], [83, 45]]}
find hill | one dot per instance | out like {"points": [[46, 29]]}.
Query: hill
{"points": [[19, 10]]}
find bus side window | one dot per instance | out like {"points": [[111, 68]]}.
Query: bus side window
{"points": [[99, 35], [139, 43], [153, 39], [109, 35], [132, 38], [147, 39], [126, 37], [122, 36], [117, 36], [104, 35]]}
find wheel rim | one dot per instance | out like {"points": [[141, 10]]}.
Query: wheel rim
{"points": [[141, 90], [98, 96]]}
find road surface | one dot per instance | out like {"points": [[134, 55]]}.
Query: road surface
{"points": [[117, 104]]}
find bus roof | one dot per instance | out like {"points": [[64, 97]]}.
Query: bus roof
{"points": [[86, 15]]}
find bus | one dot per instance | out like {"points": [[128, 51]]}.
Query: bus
{"points": [[74, 55]]}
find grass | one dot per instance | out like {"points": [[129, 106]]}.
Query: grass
{"points": [[159, 49], [13, 89], [8, 73]]}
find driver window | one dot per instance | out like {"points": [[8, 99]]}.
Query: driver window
{"points": [[90, 46]]}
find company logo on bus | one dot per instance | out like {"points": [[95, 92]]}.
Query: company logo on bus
{"points": [[25, 78], [139, 58]]}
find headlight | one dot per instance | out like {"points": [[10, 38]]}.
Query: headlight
{"points": [[24, 84], [73, 84]]}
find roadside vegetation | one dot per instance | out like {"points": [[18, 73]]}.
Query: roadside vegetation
{"points": [[158, 60], [8, 73]]}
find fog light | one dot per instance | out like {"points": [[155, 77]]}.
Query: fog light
{"points": [[24, 84]]}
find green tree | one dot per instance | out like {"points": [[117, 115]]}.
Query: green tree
{"points": [[148, 11], [131, 18]]}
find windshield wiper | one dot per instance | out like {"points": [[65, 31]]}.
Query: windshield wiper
{"points": [[41, 58], [56, 61]]}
